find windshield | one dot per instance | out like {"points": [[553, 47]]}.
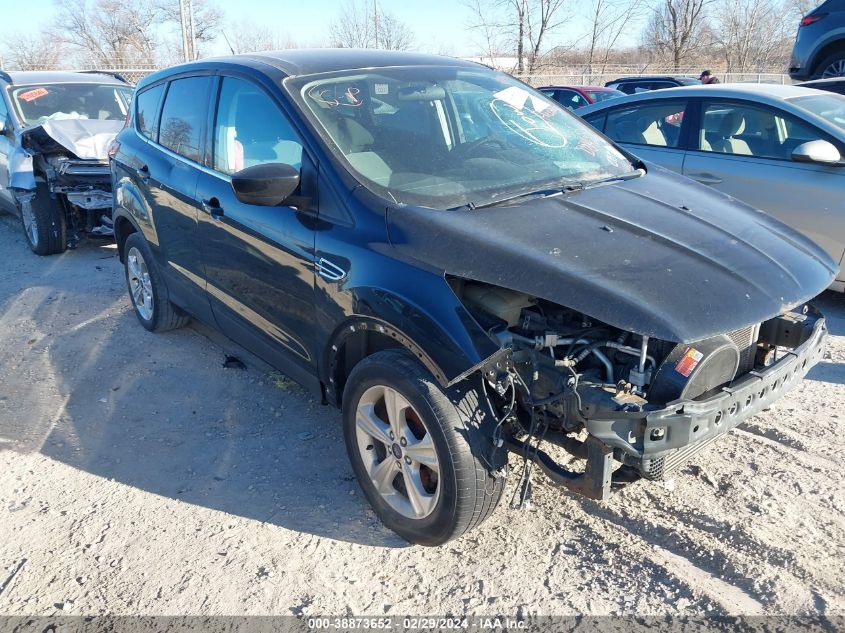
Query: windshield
{"points": [[38, 103], [828, 106], [445, 137], [604, 95]]}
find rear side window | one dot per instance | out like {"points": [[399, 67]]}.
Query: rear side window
{"points": [[658, 124], [146, 110], [183, 115]]}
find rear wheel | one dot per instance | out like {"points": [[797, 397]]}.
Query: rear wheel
{"points": [[832, 66], [423, 456], [44, 222], [147, 288]]}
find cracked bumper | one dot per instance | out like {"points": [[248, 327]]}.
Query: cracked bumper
{"points": [[655, 442]]}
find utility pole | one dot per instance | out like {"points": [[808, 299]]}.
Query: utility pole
{"points": [[375, 20], [186, 20]]}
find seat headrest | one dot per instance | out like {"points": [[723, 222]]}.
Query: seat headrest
{"points": [[732, 123]]}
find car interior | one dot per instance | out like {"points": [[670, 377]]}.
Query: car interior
{"points": [[750, 131], [658, 125]]}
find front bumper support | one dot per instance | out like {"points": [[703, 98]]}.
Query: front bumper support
{"points": [[651, 443]]}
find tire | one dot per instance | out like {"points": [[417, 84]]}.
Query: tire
{"points": [[44, 223], [831, 66], [147, 289], [461, 491]]}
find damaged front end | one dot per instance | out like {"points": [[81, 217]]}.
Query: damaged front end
{"points": [[70, 158], [625, 405]]}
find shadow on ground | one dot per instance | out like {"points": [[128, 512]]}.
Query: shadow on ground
{"points": [[160, 412]]}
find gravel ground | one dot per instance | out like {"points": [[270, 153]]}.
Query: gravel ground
{"points": [[140, 476]]}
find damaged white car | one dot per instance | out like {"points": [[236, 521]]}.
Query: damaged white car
{"points": [[55, 130]]}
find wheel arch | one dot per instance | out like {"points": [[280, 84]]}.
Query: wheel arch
{"points": [[834, 45], [123, 228], [449, 343]]}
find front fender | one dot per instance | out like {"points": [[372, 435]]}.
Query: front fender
{"points": [[442, 335]]}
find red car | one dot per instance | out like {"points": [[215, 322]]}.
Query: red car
{"points": [[574, 97]]}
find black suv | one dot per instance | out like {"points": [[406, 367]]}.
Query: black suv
{"points": [[633, 85], [55, 130], [462, 266]]}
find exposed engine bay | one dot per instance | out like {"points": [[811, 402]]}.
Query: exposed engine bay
{"points": [[70, 157], [564, 373]]}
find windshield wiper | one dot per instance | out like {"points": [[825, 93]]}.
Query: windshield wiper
{"points": [[539, 193], [611, 179], [569, 187]]}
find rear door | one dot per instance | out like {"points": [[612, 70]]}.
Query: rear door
{"points": [[653, 130], [166, 174], [259, 260], [745, 150]]}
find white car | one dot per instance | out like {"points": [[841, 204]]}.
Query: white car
{"points": [[777, 148]]}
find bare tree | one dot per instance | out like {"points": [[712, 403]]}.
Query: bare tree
{"points": [[525, 24], [33, 53], [108, 32], [543, 18], [678, 29], [118, 33], [752, 34], [248, 37], [207, 17], [490, 34], [608, 20], [365, 25]]}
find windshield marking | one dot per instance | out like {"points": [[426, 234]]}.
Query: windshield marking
{"points": [[534, 129]]}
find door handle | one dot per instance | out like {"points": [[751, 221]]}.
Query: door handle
{"points": [[706, 178], [143, 173], [212, 207]]}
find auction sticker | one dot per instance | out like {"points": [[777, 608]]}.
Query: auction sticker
{"points": [[32, 95], [689, 361]]}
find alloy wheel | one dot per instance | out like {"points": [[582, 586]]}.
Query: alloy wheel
{"points": [[836, 69], [398, 452], [29, 224], [140, 286]]}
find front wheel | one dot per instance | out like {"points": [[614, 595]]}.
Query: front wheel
{"points": [[43, 221], [423, 456]]}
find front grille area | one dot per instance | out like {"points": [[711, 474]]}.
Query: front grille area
{"points": [[746, 341]]}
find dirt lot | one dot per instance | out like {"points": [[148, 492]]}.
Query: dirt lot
{"points": [[140, 476]]}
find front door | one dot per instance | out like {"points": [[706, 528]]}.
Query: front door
{"points": [[259, 261]]}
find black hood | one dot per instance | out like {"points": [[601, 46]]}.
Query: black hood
{"points": [[659, 255]]}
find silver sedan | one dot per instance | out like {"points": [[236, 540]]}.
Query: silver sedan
{"points": [[777, 148]]}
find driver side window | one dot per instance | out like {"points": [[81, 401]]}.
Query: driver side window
{"points": [[250, 129]]}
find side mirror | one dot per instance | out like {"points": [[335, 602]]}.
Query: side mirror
{"points": [[266, 185], [819, 151]]}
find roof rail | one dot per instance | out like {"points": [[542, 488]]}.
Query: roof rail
{"points": [[5, 76], [105, 72]]}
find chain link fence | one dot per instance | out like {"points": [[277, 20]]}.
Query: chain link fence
{"points": [[132, 74], [600, 79]]}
